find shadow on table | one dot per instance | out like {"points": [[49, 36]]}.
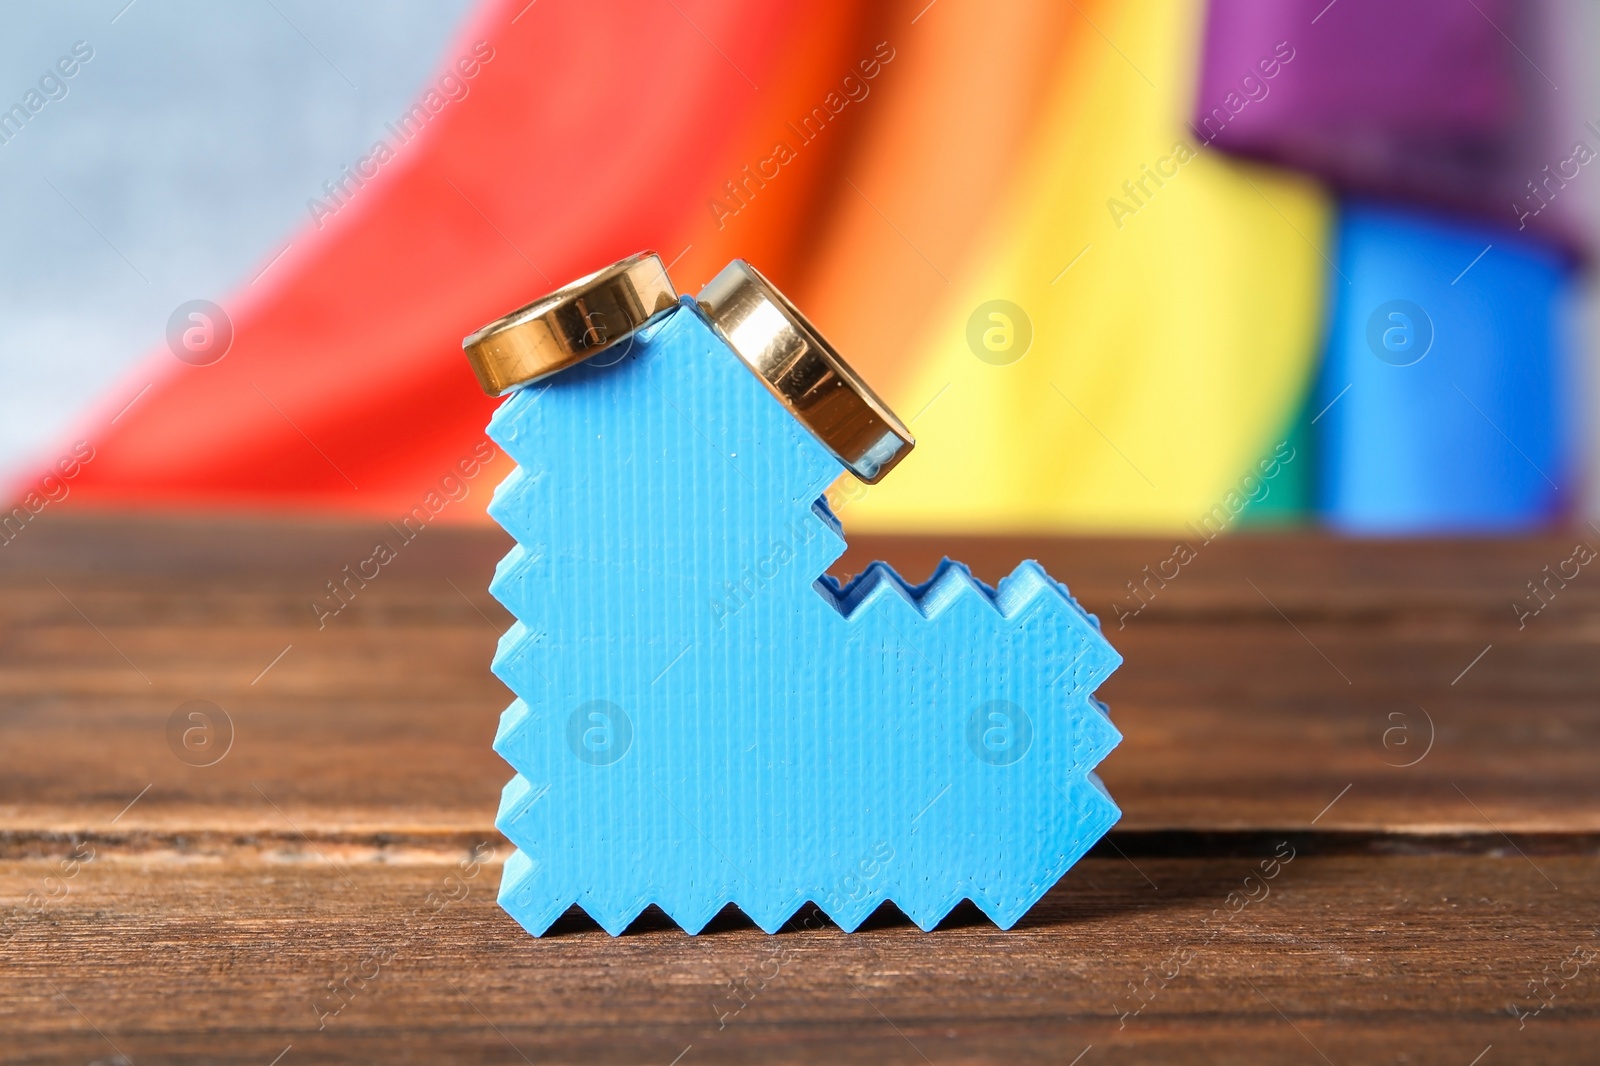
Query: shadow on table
{"points": [[1093, 890]]}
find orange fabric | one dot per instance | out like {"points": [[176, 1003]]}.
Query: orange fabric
{"points": [[945, 140], [595, 129]]}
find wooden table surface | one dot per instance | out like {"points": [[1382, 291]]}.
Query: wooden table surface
{"points": [[1365, 721]]}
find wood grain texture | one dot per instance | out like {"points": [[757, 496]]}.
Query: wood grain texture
{"points": [[1271, 674], [1444, 808], [1391, 959]]}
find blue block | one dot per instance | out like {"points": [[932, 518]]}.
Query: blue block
{"points": [[1448, 388], [703, 717]]}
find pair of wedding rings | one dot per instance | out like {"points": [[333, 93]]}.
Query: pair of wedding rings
{"points": [[744, 309]]}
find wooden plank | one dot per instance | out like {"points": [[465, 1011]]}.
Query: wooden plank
{"points": [[1311, 571], [1304, 573], [1236, 715], [1356, 957], [1257, 699]]}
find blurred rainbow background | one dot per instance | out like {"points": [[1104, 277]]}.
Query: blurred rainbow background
{"points": [[1123, 266]]}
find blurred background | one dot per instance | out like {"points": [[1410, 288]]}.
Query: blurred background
{"points": [[1156, 267]]}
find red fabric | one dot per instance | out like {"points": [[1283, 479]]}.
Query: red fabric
{"points": [[595, 130]]}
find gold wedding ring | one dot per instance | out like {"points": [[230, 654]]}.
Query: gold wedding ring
{"points": [[571, 324], [804, 372]]}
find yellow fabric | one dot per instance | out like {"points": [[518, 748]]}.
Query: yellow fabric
{"points": [[1163, 363]]}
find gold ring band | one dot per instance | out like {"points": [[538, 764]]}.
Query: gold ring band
{"points": [[804, 372], [571, 324]]}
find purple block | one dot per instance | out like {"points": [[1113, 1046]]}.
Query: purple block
{"points": [[1442, 102]]}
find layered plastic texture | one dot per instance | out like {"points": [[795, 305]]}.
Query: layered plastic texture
{"points": [[704, 717]]}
